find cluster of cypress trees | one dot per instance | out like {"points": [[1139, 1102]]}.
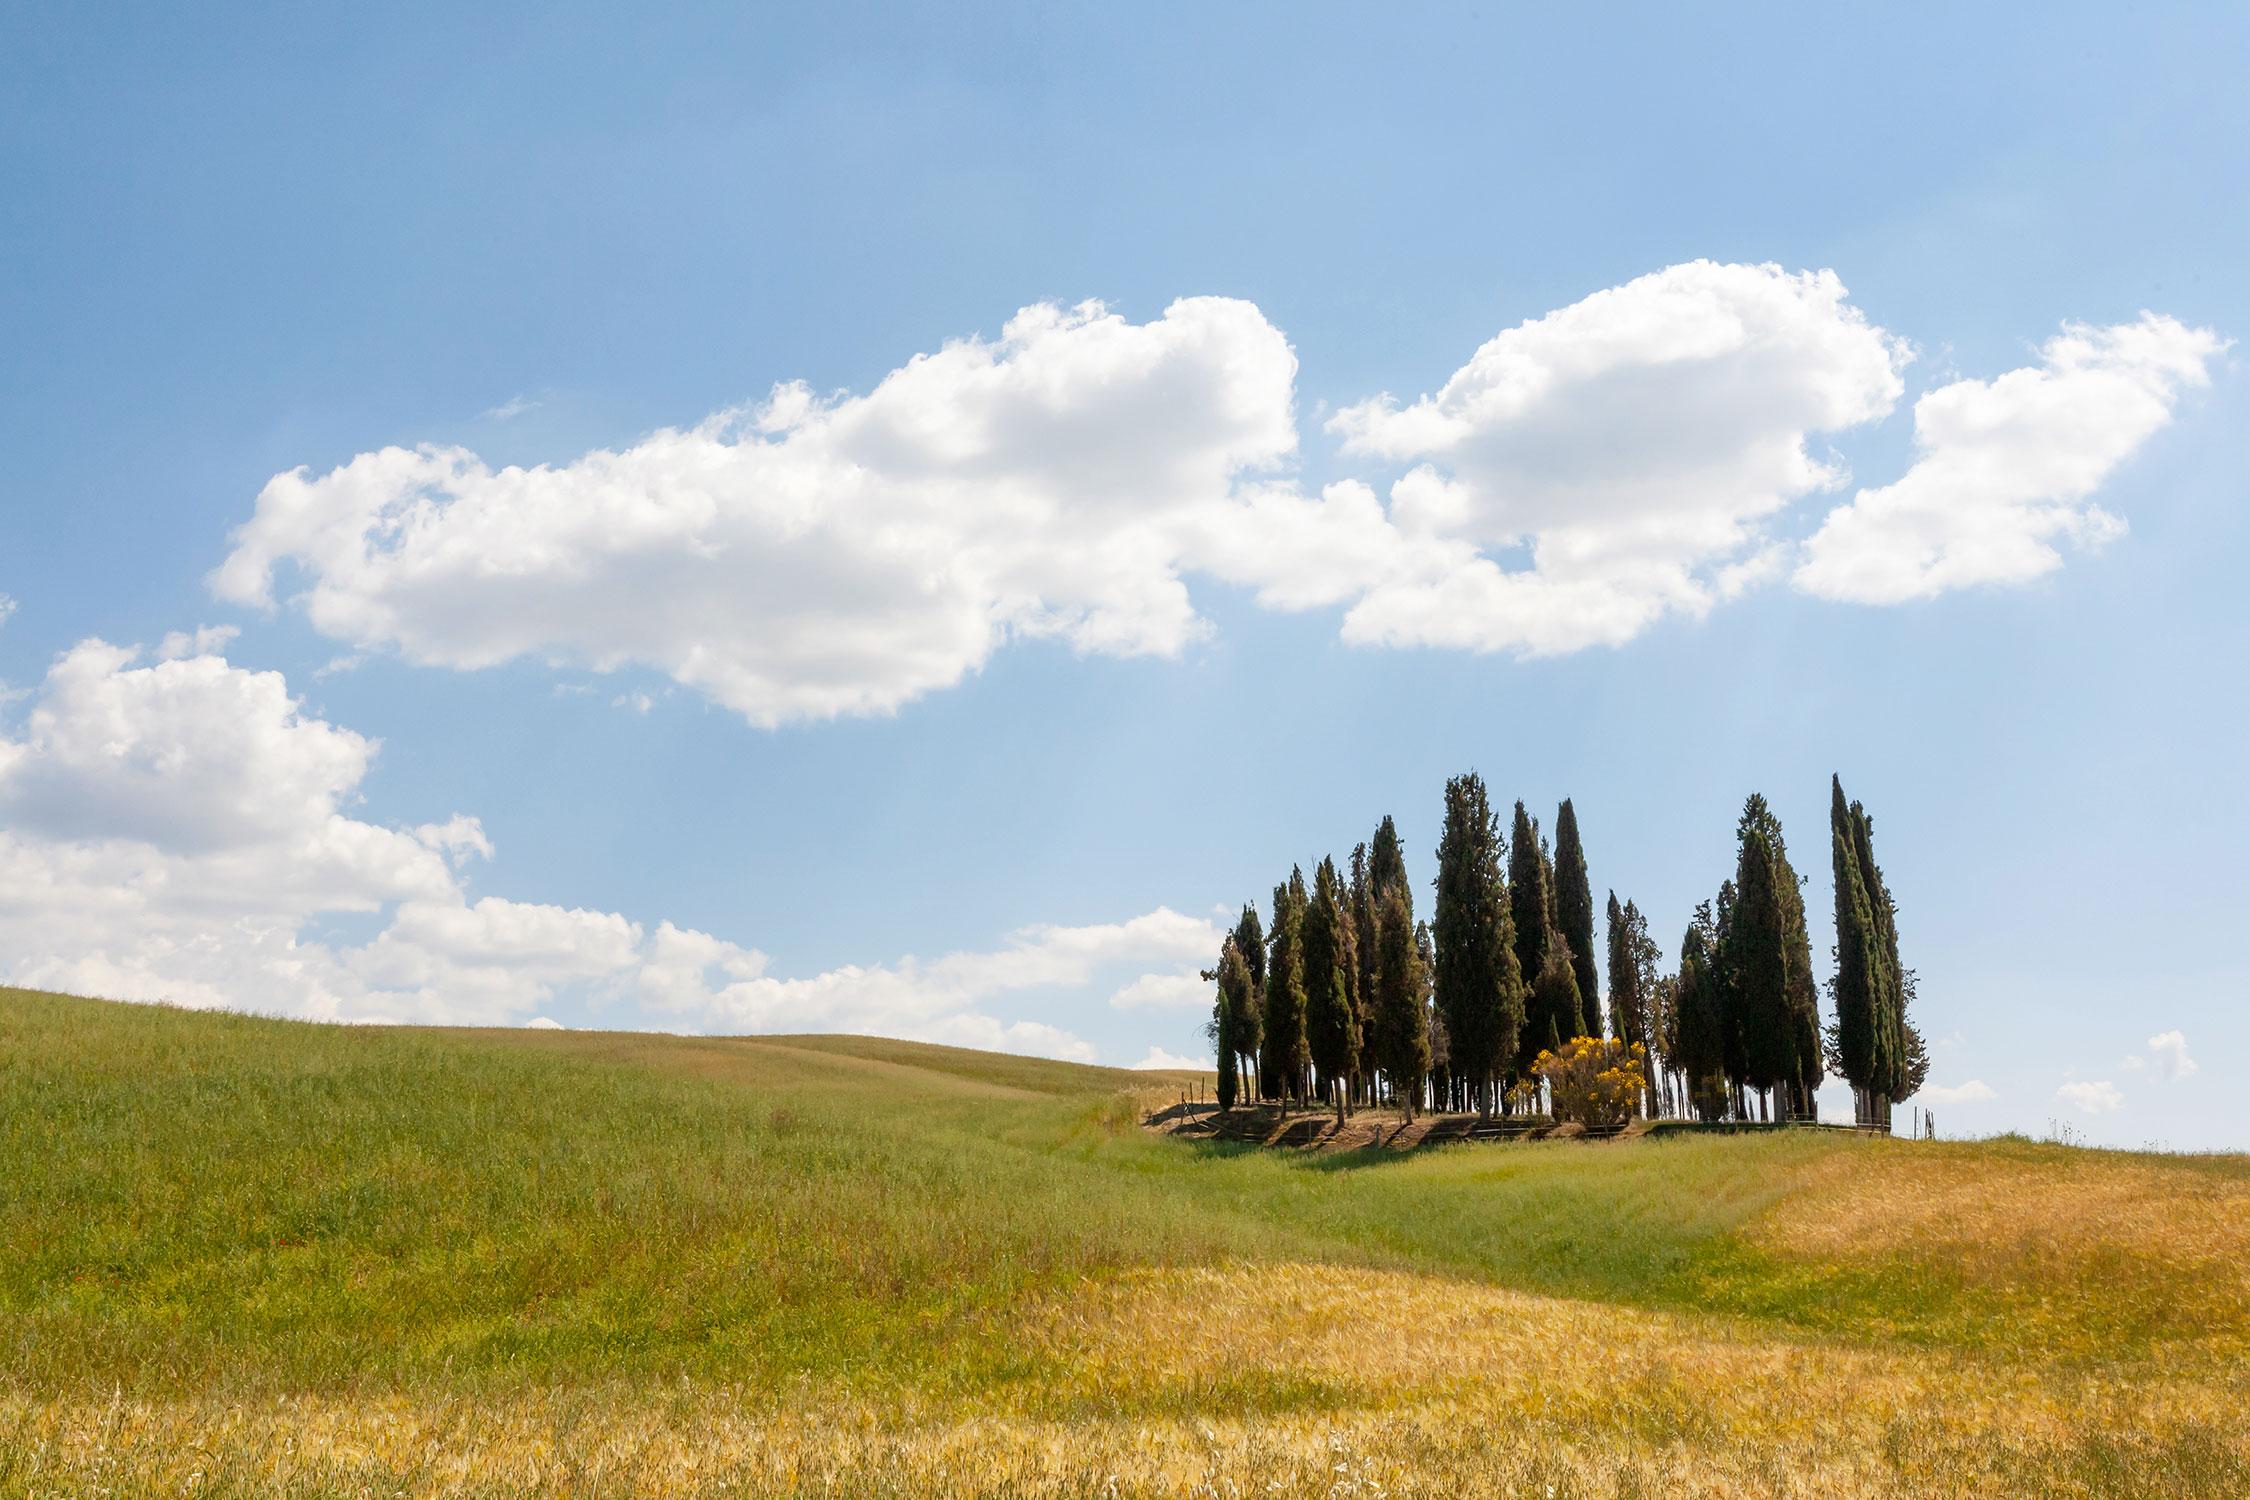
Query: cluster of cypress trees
{"points": [[1332, 997], [1345, 997]]}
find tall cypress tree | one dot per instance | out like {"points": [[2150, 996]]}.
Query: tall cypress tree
{"points": [[1439, 1049], [1250, 944], [1362, 905], [1233, 1007], [1801, 989], [1331, 1018], [1877, 1047], [1756, 961], [1401, 1037], [1282, 1056], [1726, 994], [1699, 1048], [1632, 984], [1479, 988], [1574, 917], [1531, 915]]}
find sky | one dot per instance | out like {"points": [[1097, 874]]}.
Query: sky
{"points": [[901, 520]]}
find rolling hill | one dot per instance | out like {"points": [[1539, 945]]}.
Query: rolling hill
{"points": [[252, 1257]]}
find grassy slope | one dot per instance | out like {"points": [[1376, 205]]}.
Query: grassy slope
{"points": [[198, 1208]]}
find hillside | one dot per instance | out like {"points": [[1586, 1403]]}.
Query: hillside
{"points": [[296, 1259]]}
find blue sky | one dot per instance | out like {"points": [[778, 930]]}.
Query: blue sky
{"points": [[1172, 626]]}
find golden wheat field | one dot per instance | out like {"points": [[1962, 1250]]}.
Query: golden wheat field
{"points": [[259, 1259]]}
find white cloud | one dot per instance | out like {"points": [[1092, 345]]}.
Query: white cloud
{"points": [[2169, 1050], [207, 640], [816, 557], [1975, 1091], [7, 607], [1629, 457], [2096, 1098], [1630, 444], [728, 987], [178, 830], [1184, 991], [544, 1023], [1158, 1058], [2004, 468], [510, 409]]}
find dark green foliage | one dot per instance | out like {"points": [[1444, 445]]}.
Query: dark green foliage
{"points": [[1282, 1053], [1574, 916], [1757, 964], [1386, 862], [1332, 1030], [1722, 983], [1859, 985], [1632, 984], [1554, 999], [1401, 1041], [1531, 917], [1771, 996], [1917, 1069], [1554, 1008], [1250, 942], [1876, 1046], [1440, 1046], [1233, 1006], [1249, 1024], [1479, 988], [1699, 1047], [1362, 906]]}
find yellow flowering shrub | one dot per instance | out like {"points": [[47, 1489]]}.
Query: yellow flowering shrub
{"points": [[1594, 1080]]}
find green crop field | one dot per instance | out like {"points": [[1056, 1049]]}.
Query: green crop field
{"points": [[252, 1257]]}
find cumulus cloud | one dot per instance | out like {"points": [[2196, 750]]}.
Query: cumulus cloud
{"points": [[1585, 474], [937, 999], [181, 829], [2004, 468], [1975, 1091], [816, 556], [1624, 449], [2099, 1097], [1159, 1059], [2168, 1050]]}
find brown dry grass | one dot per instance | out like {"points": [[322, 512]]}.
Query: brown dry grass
{"points": [[1289, 1379]]}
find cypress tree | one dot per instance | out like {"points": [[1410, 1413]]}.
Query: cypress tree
{"points": [[1859, 1036], [1877, 1047], [1555, 998], [1439, 1047], [1699, 1049], [1725, 993], [1758, 956], [1250, 945], [1574, 916], [1233, 1006], [1401, 1039], [1479, 988], [1332, 1029], [1282, 1056], [1386, 862], [1362, 905], [1632, 985], [1530, 911]]}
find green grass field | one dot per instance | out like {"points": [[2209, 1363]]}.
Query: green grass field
{"points": [[252, 1257]]}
